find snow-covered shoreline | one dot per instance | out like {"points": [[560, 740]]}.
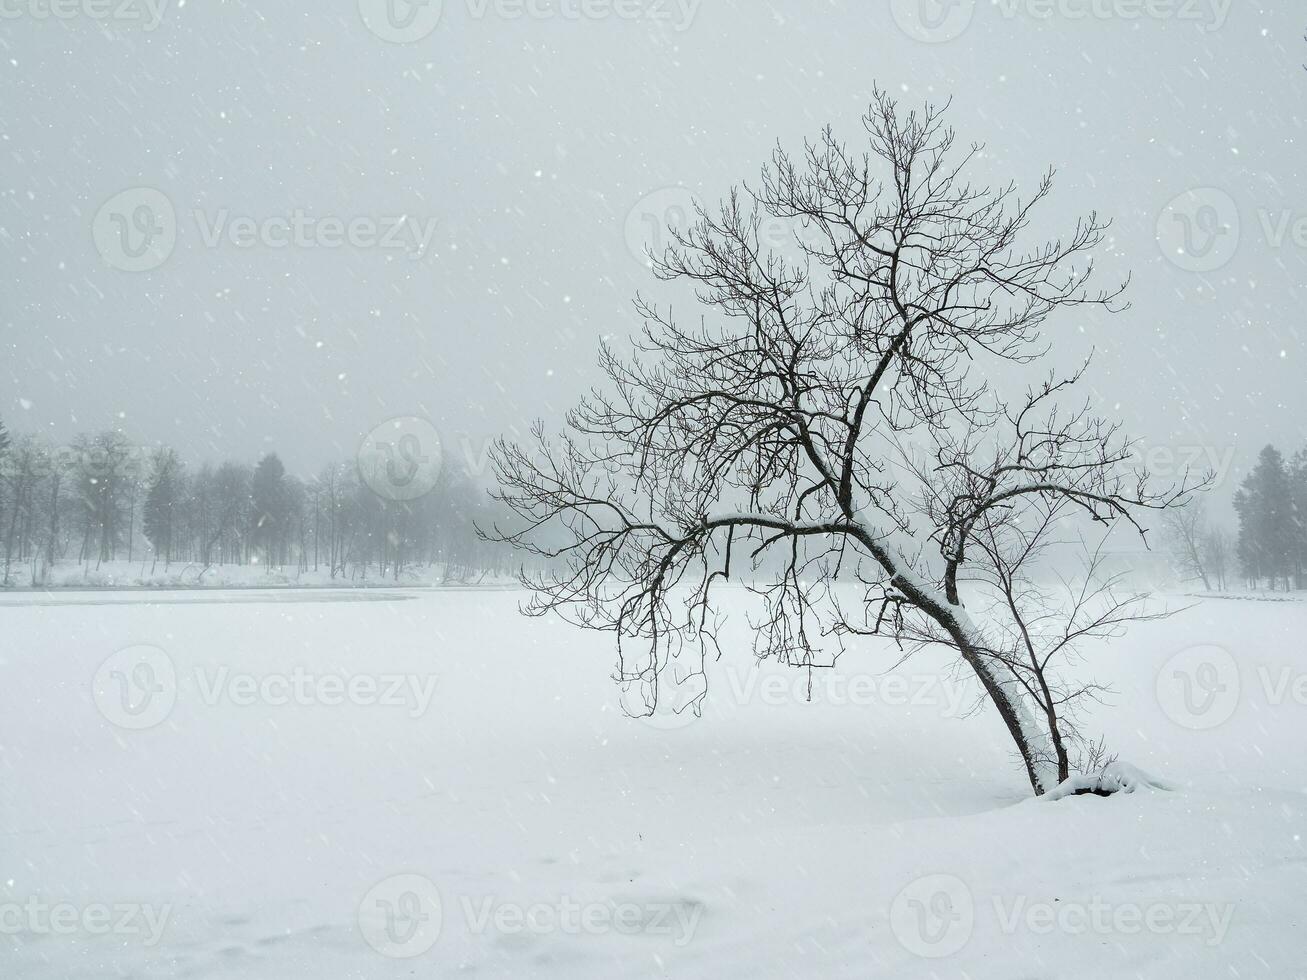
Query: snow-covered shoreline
{"points": [[144, 575]]}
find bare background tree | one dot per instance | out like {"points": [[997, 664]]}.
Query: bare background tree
{"points": [[1219, 549], [1188, 535], [834, 421]]}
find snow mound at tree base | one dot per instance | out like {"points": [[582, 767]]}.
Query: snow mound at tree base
{"points": [[1116, 777]]}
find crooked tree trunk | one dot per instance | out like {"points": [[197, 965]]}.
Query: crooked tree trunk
{"points": [[1035, 745], [1033, 742]]}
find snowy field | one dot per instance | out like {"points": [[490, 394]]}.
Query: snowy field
{"points": [[335, 785]]}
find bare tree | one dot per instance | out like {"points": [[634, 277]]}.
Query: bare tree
{"points": [[54, 496], [25, 462], [1218, 546], [223, 501], [105, 470], [834, 420], [834, 413], [1187, 535], [163, 503]]}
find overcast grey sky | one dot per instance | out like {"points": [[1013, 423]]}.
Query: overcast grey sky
{"points": [[532, 142]]}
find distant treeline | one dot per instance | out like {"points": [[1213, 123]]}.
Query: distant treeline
{"points": [[101, 498], [1272, 508], [1269, 548]]}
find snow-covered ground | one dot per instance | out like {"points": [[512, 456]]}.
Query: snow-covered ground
{"points": [[193, 788]]}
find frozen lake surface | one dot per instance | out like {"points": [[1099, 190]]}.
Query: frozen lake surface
{"points": [[294, 785]]}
